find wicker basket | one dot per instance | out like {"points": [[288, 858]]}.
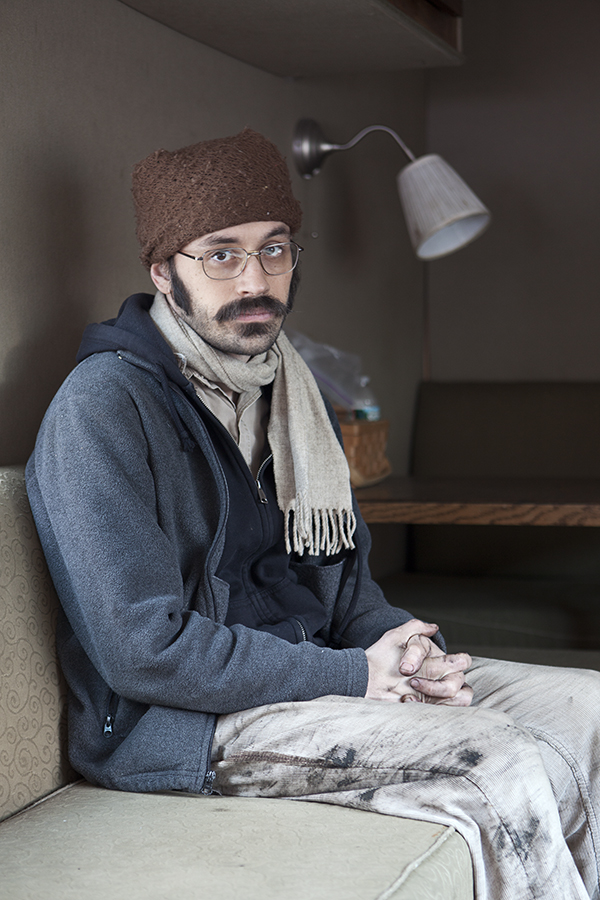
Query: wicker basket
{"points": [[364, 445]]}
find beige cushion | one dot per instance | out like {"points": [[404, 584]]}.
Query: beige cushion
{"points": [[32, 692], [91, 843]]}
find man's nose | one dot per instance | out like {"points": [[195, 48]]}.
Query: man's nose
{"points": [[253, 279]]}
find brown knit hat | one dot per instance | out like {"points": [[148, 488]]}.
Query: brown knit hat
{"points": [[181, 195]]}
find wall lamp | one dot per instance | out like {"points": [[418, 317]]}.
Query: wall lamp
{"points": [[442, 213]]}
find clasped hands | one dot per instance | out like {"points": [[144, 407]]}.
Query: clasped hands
{"points": [[405, 665]]}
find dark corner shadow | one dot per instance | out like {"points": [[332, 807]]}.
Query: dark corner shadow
{"points": [[36, 372], [53, 217]]}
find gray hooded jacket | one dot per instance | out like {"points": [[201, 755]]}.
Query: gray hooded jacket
{"points": [[131, 505]]}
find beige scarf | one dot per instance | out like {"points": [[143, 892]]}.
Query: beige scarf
{"points": [[312, 480]]}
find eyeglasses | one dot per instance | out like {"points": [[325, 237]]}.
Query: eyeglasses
{"points": [[229, 262]]}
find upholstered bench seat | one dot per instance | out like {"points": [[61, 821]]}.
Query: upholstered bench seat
{"points": [[72, 841], [86, 842]]}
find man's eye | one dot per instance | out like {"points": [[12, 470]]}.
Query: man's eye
{"points": [[273, 251], [222, 256]]}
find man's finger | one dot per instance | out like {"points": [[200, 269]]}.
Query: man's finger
{"points": [[463, 698], [462, 660], [436, 667], [443, 688], [412, 628], [416, 652]]}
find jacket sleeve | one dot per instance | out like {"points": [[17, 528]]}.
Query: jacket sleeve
{"points": [[108, 536]]}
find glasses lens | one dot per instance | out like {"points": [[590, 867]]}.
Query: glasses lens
{"points": [[277, 259], [222, 264]]}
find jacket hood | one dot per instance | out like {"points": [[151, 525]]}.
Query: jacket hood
{"points": [[133, 330]]}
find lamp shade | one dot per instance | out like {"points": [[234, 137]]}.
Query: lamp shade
{"points": [[442, 214]]}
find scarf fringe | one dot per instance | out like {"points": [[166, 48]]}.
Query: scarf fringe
{"points": [[318, 530]]}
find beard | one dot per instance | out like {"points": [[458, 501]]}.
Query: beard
{"points": [[222, 331]]}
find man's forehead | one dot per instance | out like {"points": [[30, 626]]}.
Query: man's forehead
{"points": [[238, 234]]}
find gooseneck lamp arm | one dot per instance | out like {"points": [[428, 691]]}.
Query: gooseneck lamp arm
{"points": [[442, 213], [310, 147]]}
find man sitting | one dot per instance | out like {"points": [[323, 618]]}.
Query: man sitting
{"points": [[222, 631]]}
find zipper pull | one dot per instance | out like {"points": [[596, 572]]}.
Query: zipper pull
{"points": [[261, 494], [108, 725], [207, 787]]}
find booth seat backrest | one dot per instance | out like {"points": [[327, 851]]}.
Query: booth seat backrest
{"points": [[33, 759], [513, 430], [519, 430]]}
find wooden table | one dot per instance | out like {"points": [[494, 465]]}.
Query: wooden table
{"points": [[472, 501]]}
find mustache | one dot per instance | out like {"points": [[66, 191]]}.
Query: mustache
{"points": [[250, 304]]}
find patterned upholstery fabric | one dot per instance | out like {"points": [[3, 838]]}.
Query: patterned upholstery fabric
{"points": [[32, 692]]}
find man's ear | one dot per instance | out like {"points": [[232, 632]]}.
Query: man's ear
{"points": [[159, 273]]}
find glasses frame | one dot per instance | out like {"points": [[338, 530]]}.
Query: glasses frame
{"points": [[250, 253]]}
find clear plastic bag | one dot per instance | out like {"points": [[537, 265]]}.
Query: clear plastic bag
{"points": [[338, 374]]}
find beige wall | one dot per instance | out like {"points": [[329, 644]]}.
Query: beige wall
{"points": [[87, 88], [521, 122]]}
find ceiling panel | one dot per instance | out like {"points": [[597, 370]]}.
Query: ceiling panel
{"points": [[306, 37]]}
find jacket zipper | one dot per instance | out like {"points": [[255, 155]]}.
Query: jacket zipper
{"points": [[261, 494], [302, 629], [263, 499], [109, 721]]}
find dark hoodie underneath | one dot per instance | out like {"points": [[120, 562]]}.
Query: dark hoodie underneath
{"points": [[264, 590]]}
